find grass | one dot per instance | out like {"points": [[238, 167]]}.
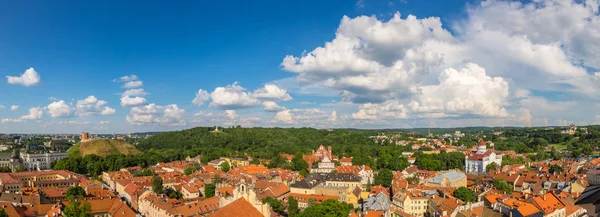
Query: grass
{"points": [[559, 146], [102, 147]]}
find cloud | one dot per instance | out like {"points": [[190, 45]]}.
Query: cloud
{"points": [[74, 122], [28, 78], [231, 114], [272, 92], [525, 117], [92, 106], [35, 113], [133, 84], [201, 97], [152, 114], [370, 60], [126, 78], [203, 114], [134, 92], [59, 109], [501, 56], [104, 122], [232, 97], [371, 111], [127, 101], [271, 106], [10, 120], [284, 117], [465, 91], [14, 107]]}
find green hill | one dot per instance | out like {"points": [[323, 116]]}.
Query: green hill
{"points": [[102, 147]]}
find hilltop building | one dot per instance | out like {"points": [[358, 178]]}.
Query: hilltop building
{"points": [[322, 153], [85, 136]]}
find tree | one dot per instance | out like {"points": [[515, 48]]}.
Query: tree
{"points": [[157, 184], [188, 171], [556, 169], [299, 164], [292, 207], [77, 209], [464, 194], [275, 204], [3, 213], [5, 170], [225, 167], [491, 167], [75, 193], [384, 177], [209, 190], [172, 193], [328, 208], [502, 185]]}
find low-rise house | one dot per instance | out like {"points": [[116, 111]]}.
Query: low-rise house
{"points": [[451, 178], [379, 202]]}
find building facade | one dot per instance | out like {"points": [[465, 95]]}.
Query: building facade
{"points": [[477, 161]]}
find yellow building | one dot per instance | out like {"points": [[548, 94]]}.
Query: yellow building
{"points": [[451, 178], [413, 202]]}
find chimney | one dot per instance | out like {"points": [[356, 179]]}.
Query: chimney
{"points": [[544, 197]]}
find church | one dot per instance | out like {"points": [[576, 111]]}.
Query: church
{"points": [[476, 161]]}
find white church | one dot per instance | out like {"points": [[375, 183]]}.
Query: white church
{"points": [[476, 161]]}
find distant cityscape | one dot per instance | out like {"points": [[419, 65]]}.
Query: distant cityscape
{"points": [[453, 173]]}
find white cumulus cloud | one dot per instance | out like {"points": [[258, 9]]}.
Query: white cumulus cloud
{"points": [[169, 115], [59, 109], [34, 113], [28, 78], [133, 84], [14, 107], [272, 92], [232, 96], [201, 97], [134, 92], [127, 101], [284, 117], [271, 106], [92, 106]]}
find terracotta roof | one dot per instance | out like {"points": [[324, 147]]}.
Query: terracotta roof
{"points": [[225, 190], [11, 210], [378, 188], [525, 208], [270, 189], [5, 178], [571, 209], [240, 207], [198, 207], [549, 202], [346, 160], [373, 213], [303, 198], [119, 209]]}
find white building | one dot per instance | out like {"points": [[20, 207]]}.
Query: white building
{"points": [[594, 176], [325, 166], [41, 161], [477, 161]]}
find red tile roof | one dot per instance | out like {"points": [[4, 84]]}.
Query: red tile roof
{"points": [[240, 207]]}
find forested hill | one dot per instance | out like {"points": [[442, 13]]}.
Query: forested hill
{"points": [[258, 142]]}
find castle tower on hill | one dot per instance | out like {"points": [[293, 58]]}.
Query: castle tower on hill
{"points": [[85, 136]]}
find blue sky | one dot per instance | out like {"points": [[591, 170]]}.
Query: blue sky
{"points": [[79, 48]]}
